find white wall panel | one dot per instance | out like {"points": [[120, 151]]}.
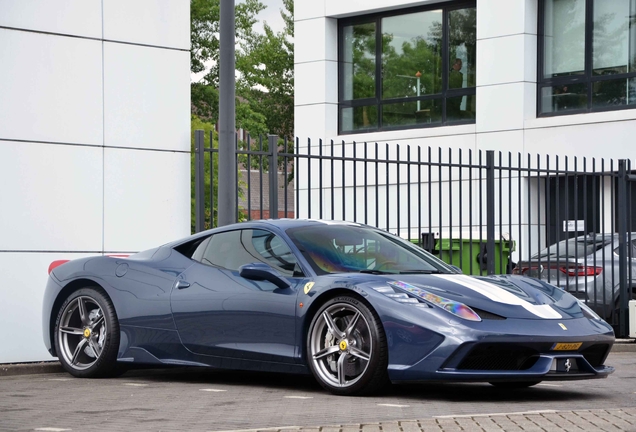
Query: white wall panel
{"points": [[50, 87], [500, 107], [146, 198], [24, 277], [72, 17], [498, 18], [505, 141], [146, 97], [339, 8], [317, 39], [601, 140], [507, 59], [54, 198], [304, 9], [164, 23], [319, 121], [316, 82]]}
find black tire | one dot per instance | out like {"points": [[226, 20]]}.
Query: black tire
{"points": [[515, 385], [93, 325], [363, 358]]}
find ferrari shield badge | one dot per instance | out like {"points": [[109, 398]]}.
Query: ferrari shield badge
{"points": [[308, 287]]}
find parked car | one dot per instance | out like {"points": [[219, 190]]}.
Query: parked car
{"points": [[588, 268], [355, 306]]}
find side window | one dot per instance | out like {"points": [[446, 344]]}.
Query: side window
{"points": [[274, 251], [230, 250]]}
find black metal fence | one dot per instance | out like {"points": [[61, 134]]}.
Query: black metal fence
{"points": [[555, 218]]}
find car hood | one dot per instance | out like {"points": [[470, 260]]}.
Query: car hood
{"points": [[507, 296]]}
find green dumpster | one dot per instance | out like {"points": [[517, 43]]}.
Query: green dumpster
{"points": [[470, 254]]}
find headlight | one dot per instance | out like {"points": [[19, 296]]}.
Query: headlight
{"points": [[452, 306]]}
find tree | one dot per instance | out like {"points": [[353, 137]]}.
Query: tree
{"points": [[266, 64], [204, 53]]}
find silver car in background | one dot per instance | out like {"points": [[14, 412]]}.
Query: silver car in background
{"points": [[588, 268]]}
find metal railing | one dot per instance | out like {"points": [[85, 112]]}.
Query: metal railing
{"points": [[554, 218]]}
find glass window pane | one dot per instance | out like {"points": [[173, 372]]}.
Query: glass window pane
{"points": [[358, 64], [412, 54], [272, 250], [460, 108], [614, 92], [563, 97], [462, 48], [412, 113], [564, 40], [359, 118], [614, 37]]}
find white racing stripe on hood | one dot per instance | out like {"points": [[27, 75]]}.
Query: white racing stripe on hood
{"points": [[500, 295]]}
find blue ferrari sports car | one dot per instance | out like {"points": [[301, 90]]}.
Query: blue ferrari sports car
{"points": [[355, 306]]}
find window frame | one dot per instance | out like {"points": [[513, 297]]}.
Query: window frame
{"points": [[377, 101], [587, 77]]}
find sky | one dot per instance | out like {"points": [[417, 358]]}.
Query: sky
{"points": [[272, 15]]}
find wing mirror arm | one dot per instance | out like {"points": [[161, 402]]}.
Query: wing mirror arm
{"points": [[260, 271]]}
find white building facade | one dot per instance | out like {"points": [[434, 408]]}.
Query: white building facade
{"points": [[546, 77], [94, 142], [509, 112]]}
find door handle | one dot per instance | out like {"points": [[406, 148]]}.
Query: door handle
{"points": [[181, 284]]}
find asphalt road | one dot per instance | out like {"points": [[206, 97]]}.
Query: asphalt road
{"points": [[205, 400]]}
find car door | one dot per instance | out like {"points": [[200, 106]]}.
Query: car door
{"points": [[219, 313]]}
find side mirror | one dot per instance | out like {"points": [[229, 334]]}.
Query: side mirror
{"points": [[260, 271]]}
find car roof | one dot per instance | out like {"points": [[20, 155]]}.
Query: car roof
{"points": [[282, 224]]}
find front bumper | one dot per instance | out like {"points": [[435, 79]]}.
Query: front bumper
{"points": [[548, 367]]}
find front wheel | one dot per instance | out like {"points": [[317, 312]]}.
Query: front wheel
{"points": [[346, 348], [87, 334]]}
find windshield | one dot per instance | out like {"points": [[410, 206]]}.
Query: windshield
{"points": [[345, 248], [573, 248]]}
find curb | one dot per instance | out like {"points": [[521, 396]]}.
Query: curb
{"points": [[12, 369], [625, 345]]}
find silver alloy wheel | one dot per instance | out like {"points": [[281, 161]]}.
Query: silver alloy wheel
{"points": [[82, 333], [341, 345]]}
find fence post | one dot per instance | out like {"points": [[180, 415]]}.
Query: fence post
{"points": [[273, 176], [199, 180], [490, 212], [622, 246]]}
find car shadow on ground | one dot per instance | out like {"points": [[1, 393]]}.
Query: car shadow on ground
{"points": [[417, 392]]}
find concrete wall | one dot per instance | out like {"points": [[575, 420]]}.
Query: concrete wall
{"points": [[94, 142]]}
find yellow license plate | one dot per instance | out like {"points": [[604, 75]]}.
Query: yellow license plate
{"points": [[566, 346]]}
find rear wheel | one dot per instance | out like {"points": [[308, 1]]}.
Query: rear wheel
{"points": [[346, 348], [87, 334], [515, 385]]}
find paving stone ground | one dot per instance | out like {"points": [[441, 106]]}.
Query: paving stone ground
{"points": [[205, 400]]}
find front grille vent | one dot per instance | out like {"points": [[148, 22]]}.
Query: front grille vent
{"points": [[499, 357], [595, 354]]}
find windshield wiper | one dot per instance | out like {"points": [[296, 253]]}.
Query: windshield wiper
{"points": [[378, 272], [419, 272]]}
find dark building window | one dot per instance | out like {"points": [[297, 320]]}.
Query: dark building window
{"points": [[587, 56], [408, 69]]}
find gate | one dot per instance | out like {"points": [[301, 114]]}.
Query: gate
{"points": [[555, 218]]}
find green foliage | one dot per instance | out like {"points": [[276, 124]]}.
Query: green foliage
{"points": [[266, 64], [264, 85], [208, 128], [204, 35]]}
